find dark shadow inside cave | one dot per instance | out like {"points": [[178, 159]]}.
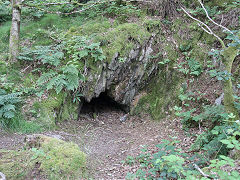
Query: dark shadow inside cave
{"points": [[101, 104]]}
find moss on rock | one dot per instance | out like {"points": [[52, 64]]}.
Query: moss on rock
{"points": [[56, 108], [114, 37], [123, 39], [49, 109], [161, 92]]}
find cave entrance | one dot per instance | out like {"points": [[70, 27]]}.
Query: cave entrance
{"points": [[101, 104]]}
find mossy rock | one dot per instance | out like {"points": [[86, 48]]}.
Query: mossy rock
{"points": [[56, 108], [69, 110], [49, 109], [161, 95], [46, 158], [114, 37]]}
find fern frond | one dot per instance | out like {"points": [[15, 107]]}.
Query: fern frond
{"points": [[72, 81], [8, 107], [46, 77], [9, 115], [71, 69]]}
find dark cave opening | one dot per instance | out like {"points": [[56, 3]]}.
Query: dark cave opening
{"points": [[103, 103]]}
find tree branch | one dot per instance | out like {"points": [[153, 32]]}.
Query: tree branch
{"points": [[226, 29], [204, 175], [205, 27]]}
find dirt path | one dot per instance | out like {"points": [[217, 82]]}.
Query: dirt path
{"points": [[107, 141]]}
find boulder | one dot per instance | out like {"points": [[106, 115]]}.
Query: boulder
{"points": [[122, 80]]}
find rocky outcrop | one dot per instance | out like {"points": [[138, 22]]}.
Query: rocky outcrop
{"points": [[122, 77]]}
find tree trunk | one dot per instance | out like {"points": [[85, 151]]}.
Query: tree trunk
{"points": [[229, 54], [164, 8], [15, 31]]}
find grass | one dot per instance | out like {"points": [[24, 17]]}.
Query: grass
{"points": [[4, 36], [38, 31], [18, 124]]}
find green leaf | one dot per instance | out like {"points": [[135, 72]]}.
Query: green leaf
{"points": [[230, 146], [215, 132], [225, 141]]}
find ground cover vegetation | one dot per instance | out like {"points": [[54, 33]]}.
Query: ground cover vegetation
{"points": [[60, 40]]}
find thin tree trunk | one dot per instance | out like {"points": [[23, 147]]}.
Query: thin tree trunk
{"points": [[15, 31], [229, 54]]}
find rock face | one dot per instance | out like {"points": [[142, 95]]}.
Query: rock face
{"points": [[122, 79]]}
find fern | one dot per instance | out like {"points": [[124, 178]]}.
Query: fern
{"points": [[46, 77], [46, 54], [8, 103], [66, 78], [80, 47]]}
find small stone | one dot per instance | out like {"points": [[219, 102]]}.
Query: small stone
{"points": [[124, 118]]}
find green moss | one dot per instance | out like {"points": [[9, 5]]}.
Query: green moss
{"points": [[4, 36], [54, 159], [122, 39], [16, 164], [114, 37], [199, 41], [152, 25], [56, 108], [161, 95], [229, 54], [49, 109], [29, 80], [65, 159], [95, 26], [69, 110], [172, 54], [220, 3]]}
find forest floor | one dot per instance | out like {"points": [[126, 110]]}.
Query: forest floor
{"points": [[107, 141]]}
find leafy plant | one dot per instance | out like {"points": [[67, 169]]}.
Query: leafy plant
{"points": [[212, 114], [67, 77], [165, 61], [218, 168], [8, 103], [194, 66], [167, 163], [39, 153], [80, 47], [113, 9], [220, 75], [62, 74], [170, 163], [45, 54], [5, 11]]}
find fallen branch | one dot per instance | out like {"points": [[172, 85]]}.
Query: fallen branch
{"points": [[198, 168]]}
